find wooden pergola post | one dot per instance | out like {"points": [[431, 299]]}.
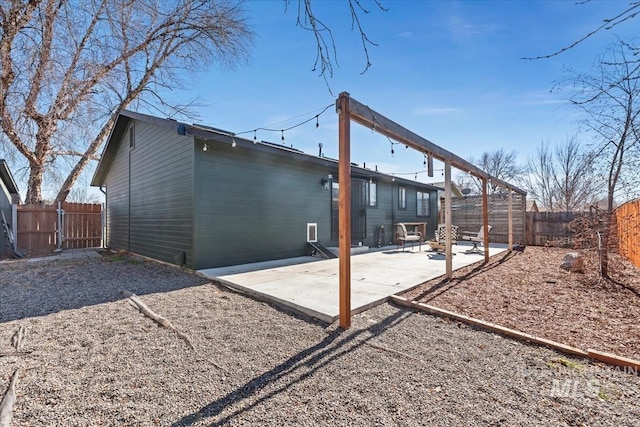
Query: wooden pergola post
{"points": [[510, 214], [447, 218], [344, 208], [350, 109], [485, 219]]}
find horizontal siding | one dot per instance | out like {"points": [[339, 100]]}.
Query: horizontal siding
{"points": [[387, 212], [161, 211], [117, 205], [254, 206], [5, 206]]}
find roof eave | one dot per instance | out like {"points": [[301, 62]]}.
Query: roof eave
{"points": [[7, 178]]}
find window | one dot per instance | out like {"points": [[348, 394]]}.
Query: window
{"points": [[373, 193], [132, 137], [402, 197], [423, 204]]}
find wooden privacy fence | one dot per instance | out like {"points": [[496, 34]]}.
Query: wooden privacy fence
{"points": [[625, 223], [466, 213], [45, 228], [545, 227]]}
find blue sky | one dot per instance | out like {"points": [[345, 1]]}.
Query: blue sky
{"points": [[450, 71]]}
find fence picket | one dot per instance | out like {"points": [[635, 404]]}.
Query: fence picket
{"points": [[37, 226]]}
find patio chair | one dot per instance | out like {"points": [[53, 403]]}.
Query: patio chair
{"points": [[475, 238], [441, 234], [403, 236]]}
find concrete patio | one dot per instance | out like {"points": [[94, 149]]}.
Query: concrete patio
{"points": [[310, 285]]}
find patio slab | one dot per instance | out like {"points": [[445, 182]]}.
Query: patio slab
{"points": [[311, 286]]}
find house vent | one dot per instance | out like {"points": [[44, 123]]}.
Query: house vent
{"points": [[312, 232]]}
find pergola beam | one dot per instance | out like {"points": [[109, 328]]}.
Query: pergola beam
{"points": [[367, 117]]}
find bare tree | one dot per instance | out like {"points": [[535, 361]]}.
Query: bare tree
{"points": [[68, 67], [326, 52], [500, 164], [539, 181], [630, 11], [562, 179], [609, 98], [69, 64]]}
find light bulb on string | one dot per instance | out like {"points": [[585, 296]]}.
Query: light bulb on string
{"points": [[282, 137], [317, 122], [255, 136], [416, 177], [233, 142], [424, 162], [406, 147]]}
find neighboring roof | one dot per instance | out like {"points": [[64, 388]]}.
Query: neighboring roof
{"points": [[532, 206], [7, 178], [219, 135], [455, 191]]}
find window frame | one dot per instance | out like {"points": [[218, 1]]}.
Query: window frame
{"points": [[418, 204], [402, 197], [132, 136], [374, 184]]}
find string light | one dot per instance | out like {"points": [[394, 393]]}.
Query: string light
{"points": [[415, 174], [392, 144], [424, 163], [283, 130], [233, 142]]}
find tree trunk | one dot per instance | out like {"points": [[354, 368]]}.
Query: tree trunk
{"points": [[34, 186], [64, 191]]}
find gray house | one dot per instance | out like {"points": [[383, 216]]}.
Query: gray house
{"points": [[8, 196], [200, 197]]}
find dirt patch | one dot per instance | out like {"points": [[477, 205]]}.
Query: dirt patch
{"points": [[528, 291]]}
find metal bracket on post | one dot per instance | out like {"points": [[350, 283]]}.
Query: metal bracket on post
{"points": [[60, 228], [14, 224]]}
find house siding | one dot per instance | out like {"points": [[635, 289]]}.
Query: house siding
{"points": [[150, 195], [5, 206], [387, 212], [254, 206]]}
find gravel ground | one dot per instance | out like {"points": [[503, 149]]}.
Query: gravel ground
{"points": [[96, 361]]}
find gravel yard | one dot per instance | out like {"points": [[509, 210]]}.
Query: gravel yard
{"points": [[97, 362]]}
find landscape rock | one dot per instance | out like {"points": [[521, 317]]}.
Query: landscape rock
{"points": [[573, 262]]}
